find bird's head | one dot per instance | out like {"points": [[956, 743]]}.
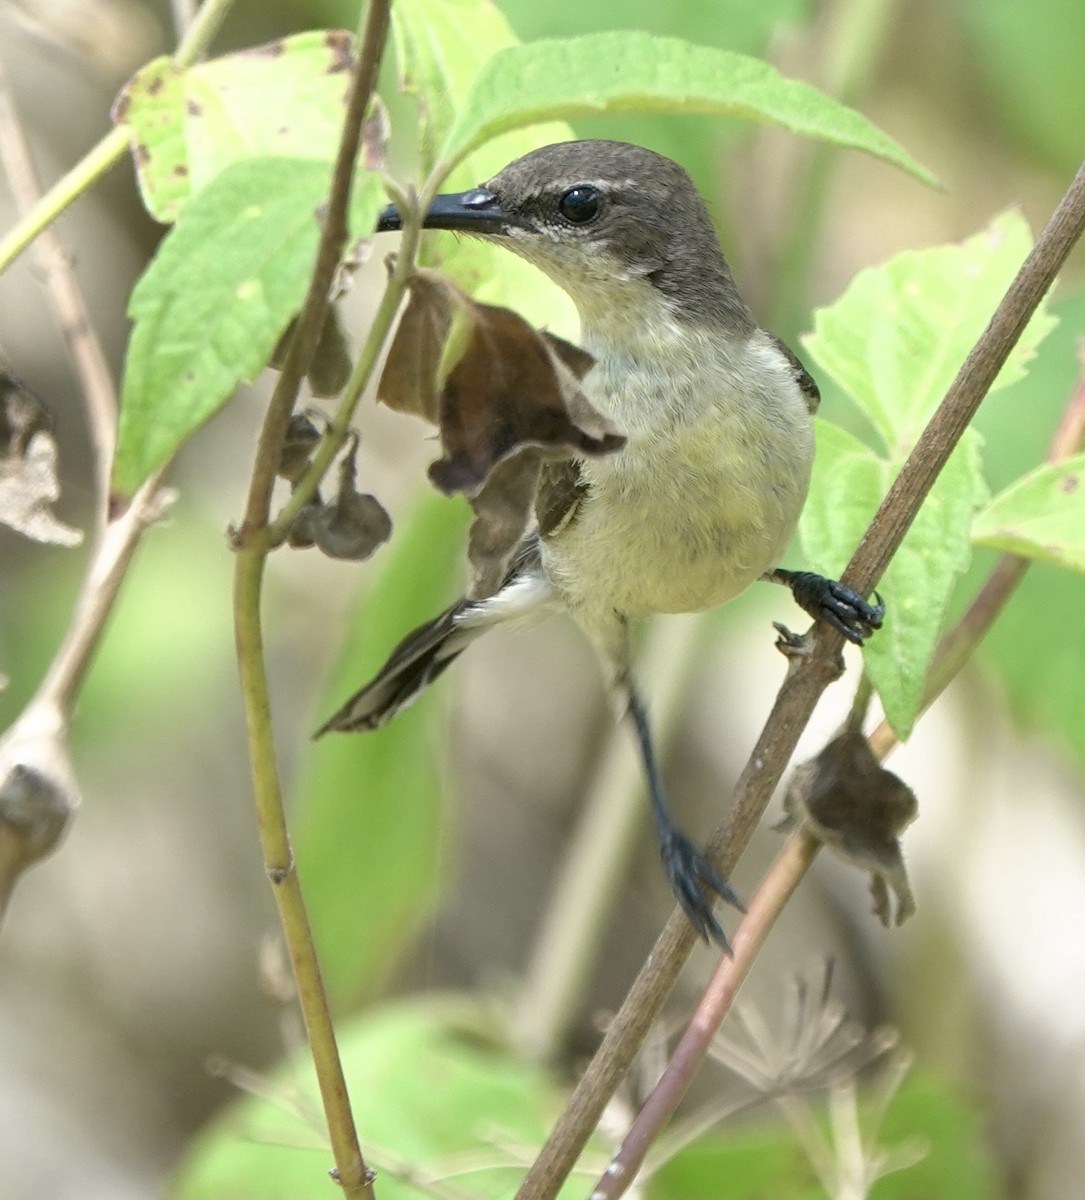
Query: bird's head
{"points": [[612, 224]]}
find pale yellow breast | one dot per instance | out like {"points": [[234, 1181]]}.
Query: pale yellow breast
{"points": [[702, 500]]}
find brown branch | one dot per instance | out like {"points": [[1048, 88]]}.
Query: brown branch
{"points": [[780, 882], [115, 543], [967, 391], [956, 647], [99, 391], [808, 677]]}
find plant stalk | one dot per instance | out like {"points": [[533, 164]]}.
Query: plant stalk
{"points": [[253, 545], [811, 672]]}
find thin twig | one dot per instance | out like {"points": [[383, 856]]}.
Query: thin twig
{"points": [[317, 299], [109, 151], [99, 390], [184, 14], [352, 1173], [112, 556], [116, 543], [957, 645], [785, 874], [47, 715], [797, 698], [781, 880]]}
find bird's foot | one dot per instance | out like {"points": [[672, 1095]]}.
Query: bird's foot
{"points": [[827, 600], [695, 883]]}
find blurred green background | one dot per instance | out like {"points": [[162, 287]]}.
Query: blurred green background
{"points": [[139, 950]]}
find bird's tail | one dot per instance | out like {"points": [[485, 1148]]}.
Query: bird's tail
{"points": [[411, 667], [427, 651]]}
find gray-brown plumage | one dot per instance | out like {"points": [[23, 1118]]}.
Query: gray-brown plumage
{"points": [[717, 414]]}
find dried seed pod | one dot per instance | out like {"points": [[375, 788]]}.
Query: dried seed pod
{"points": [[847, 800], [298, 445], [331, 365], [356, 523]]}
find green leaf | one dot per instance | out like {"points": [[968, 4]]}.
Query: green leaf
{"points": [[285, 99], [849, 482], [898, 335], [1041, 516], [1042, 674], [209, 309], [893, 342], [441, 46], [371, 827], [566, 78], [433, 1094]]}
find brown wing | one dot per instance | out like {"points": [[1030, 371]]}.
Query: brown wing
{"points": [[802, 376], [561, 490]]}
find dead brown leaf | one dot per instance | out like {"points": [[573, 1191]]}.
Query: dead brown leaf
{"points": [[28, 477], [502, 515], [505, 399]]}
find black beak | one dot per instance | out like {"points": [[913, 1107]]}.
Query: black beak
{"points": [[476, 211]]}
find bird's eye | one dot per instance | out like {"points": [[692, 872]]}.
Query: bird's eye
{"points": [[580, 204]]}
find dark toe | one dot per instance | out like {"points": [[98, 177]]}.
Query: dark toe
{"points": [[844, 609], [696, 883]]}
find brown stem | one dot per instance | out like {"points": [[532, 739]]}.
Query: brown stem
{"points": [[809, 676], [99, 392], [956, 647], [115, 543], [776, 889], [967, 391]]}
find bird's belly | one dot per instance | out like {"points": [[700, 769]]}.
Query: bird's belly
{"points": [[680, 527]]}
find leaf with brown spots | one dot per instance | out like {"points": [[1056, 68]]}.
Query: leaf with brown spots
{"points": [[1040, 516], [285, 99], [505, 399]]}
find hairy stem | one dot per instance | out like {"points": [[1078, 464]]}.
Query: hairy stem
{"points": [[364, 366], [809, 676]]}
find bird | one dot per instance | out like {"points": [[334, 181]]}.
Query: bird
{"points": [[704, 495]]}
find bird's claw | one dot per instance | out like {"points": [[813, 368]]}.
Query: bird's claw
{"points": [[695, 882], [827, 600]]}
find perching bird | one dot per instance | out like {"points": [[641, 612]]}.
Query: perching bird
{"points": [[703, 497]]}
